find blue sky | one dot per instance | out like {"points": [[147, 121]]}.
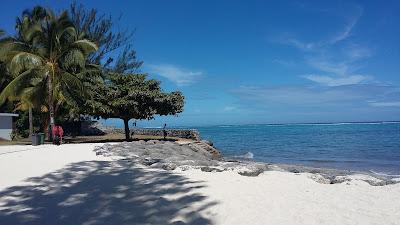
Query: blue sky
{"points": [[240, 62]]}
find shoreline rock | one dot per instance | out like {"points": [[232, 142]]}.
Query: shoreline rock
{"points": [[202, 155]]}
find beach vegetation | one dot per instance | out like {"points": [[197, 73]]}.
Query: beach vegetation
{"points": [[62, 66], [133, 96], [47, 58]]}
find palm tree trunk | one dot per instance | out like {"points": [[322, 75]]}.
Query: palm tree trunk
{"points": [[51, 105], [30, 122], [127, 132]]}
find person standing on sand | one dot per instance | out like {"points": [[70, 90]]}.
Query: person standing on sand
{"points": [[58, 133]]}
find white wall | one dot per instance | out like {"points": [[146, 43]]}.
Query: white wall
{"points": [[5, 127]]}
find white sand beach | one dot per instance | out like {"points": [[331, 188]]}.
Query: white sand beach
{"points": [[69, 184]]}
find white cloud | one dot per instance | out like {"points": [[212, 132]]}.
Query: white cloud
{"points": [[180, 76], [343, 35], [300, 96], [355, 52], [385, 104], [333, 73], [335, 68], [333, 81], [341, 68], [302, 45], [338, 37]]}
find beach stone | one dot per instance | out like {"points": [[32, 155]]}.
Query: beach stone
{"points": [[294, 170], [380, 182], [184, 168], [339, 179], [210, 169], [315, 171], [320, 179], [208, 142], [168, 166], [152, 142], [149, 161], [252, 170], [251, 173], [100, 152]]}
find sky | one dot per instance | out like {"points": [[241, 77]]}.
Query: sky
{"points": [[253, 62]]}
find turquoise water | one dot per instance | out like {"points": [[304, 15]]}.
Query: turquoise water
{"points": [[373, 147]]}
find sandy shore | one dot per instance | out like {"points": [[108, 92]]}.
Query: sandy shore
{"points": [[69, 184]]}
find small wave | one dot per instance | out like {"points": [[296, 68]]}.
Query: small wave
{"points": [[340, 123], [384, 174], [391, 122], [329, 161], [248, 155]]}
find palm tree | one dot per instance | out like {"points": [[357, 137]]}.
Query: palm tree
{"points": [[48, 61], [26, 100]]}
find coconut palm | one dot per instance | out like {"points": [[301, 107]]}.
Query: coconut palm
{"points": [[26, 101], [48, 60]]}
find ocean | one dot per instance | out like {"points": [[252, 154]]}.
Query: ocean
{"points": [[367, 147]]}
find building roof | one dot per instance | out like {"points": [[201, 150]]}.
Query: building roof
{"points": [[8, 114]]}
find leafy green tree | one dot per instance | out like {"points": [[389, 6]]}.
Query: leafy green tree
{"points": [[4, 77], [49, 62], [132, 96], [115, 53], [101, 28]]}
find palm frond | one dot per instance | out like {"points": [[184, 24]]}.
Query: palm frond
{"points": [[23, 61], [14, 89], [33, 31], [73, 59], [85, 46], [9, 47], [72, 82]]}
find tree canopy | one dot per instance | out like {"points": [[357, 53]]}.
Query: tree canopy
{"points": [[47, 58], [76, 63], [132, 96]]}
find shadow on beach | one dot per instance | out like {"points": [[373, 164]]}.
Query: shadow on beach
{"points": [[96, 192]]}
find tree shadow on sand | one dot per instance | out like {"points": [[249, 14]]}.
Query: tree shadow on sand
{"points": [[96, 192]]}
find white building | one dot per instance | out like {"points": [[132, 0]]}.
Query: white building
{"points": [[6, 125]]}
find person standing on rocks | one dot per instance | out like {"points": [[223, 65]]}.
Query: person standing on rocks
{"points": [[165, 131], [133, 131]]}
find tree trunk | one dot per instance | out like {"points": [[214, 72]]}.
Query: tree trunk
{"points": [[127, 132], [51, 105], [30, 122], [45, 127]]}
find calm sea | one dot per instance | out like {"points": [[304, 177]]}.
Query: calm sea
{"points": [[373, 147]]}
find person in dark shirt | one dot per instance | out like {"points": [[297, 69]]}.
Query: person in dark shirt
{"points": [[165, 131]]}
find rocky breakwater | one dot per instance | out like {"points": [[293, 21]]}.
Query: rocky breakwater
{"points": [[184, 155], [202, 155], [163, 154], [179, 133]]}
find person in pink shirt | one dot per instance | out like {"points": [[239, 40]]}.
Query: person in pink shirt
{"points": [[58, 133]]}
